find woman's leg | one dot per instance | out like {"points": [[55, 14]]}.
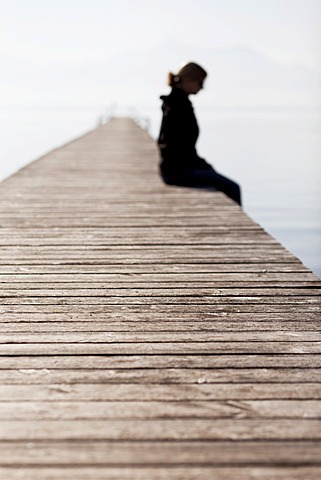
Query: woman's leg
{"points": [[205, 179]]}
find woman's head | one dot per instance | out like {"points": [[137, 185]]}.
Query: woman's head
{"points": [[190, 78]]}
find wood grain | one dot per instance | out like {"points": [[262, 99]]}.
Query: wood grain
{"points": [[147, 331]]}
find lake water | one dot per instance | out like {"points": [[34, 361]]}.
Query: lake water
{"points": [[273, 153]]}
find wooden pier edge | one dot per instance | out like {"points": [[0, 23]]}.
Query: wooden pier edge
{"points": [[147, 331]]}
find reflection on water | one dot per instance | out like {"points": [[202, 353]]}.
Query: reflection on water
{"points": [[274, 154]]}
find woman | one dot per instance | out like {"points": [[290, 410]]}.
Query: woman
{"points": [[180, 164]]}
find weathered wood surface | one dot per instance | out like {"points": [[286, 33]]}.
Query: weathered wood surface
{"points": [[149, 332]]}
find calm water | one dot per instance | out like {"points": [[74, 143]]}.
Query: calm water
{"points": [[274, 155]]}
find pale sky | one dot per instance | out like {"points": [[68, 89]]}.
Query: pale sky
{"points": [[71, 51], [47, 31]]}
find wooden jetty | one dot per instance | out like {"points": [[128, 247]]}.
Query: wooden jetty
{"points": [[149, 332]]}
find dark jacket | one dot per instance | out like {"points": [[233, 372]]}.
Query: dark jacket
{"points": [[178, 135]]}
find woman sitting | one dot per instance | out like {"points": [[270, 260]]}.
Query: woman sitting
{"points": [[180, 165]]}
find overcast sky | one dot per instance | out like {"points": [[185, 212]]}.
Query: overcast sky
{"points": [[38, 35], [46, 31]]}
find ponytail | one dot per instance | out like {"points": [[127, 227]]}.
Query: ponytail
{"points": [[173, 80]]}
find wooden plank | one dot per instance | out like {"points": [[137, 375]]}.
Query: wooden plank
{"points": [[160, 337], [164, 291], [12, 325], [238, 278], [165, 375], [166, 392], [121, 320], [174, 360], [169, 429], [92, 284], [170, 310], [161, 453], [88, 222], [241, 267], [166, 348], [215, 320], [280, 303], [94, 410], [159, 473]]}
